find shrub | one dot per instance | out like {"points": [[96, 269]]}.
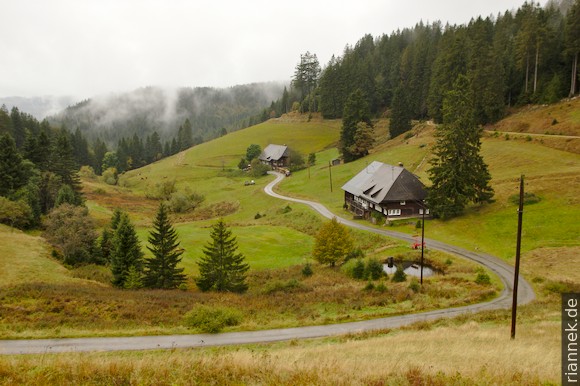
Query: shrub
{"points": [[295, 161], [71, 231], [243, 164], [399, 276], [370, 286], [212, 319], [529, 199], [358, 271], [482, 278], [373, 269], [110, 176], [414, 285], [162, 190], [356, 253], [381, 287], [181, 202], [87, 172], [418, 225], [15, 213], [282, 286], [307, 270], [258, 168]]}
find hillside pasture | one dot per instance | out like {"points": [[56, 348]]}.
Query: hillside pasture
{"points": [[550, 173], [57, 302]]}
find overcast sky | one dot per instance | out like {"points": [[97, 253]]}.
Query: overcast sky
{"points": [[83, 48]]}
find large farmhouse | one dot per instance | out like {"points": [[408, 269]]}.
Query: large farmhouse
{"points": [[275, 155], [390, 190]]}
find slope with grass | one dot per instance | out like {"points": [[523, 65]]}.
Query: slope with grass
{"points": [[550, 173], [478, 349]]}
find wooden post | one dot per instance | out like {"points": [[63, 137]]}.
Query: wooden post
{"points": [[422, 240], [518, 249], [330, 174]]}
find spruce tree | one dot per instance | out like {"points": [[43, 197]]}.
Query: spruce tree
{"points": [[356, 110], [572, 43], [161, 270], [400, 113], [12, 173], [222, 268], [106, 242], [458, 173], [126, 252], [64, 165]]}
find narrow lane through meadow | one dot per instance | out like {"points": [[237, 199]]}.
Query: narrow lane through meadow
{"points": [[501, 268]]}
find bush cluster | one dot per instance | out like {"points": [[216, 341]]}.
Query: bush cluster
{"points": [[212, 319], [372, 269]]}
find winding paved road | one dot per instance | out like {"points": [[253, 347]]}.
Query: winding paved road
{"points": [[503, 270]]}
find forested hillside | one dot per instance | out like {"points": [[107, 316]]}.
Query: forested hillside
{"points": [[528, 55], [153, 109]]}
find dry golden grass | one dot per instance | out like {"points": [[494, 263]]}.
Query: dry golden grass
{"points": [[23, 256], [561, 118], [469, 354], [555, 264]]}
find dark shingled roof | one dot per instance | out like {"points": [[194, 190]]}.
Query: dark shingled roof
{"points": [[379, 183]]}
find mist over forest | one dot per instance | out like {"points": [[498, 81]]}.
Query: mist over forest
{"points": [[150, 109]]}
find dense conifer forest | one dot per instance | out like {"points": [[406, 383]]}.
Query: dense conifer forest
{"points": [[528, 55]]}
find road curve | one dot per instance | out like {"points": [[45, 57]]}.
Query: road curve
{"points": [[503, 270]]}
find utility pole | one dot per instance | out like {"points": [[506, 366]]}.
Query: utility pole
{"points": [[330, 174], [518, 248], [422, 239]]}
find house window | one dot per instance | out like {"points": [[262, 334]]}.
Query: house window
{"points": [[403, 203], [394, 212], [421, 211]]}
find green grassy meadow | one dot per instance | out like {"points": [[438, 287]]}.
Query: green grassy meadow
{"points": [[551, 174], [41, 298]]}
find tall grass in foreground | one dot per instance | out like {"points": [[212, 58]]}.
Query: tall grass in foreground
{"points": [[468, 354]]}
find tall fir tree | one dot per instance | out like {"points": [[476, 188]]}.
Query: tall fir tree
{"points": [[572, 43], [126, 255], [106, 242], [12, 174], [185, 136], [64, 165], [400, 113], [161, 270], [458, 173], [356, 110], [222, 268]]}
